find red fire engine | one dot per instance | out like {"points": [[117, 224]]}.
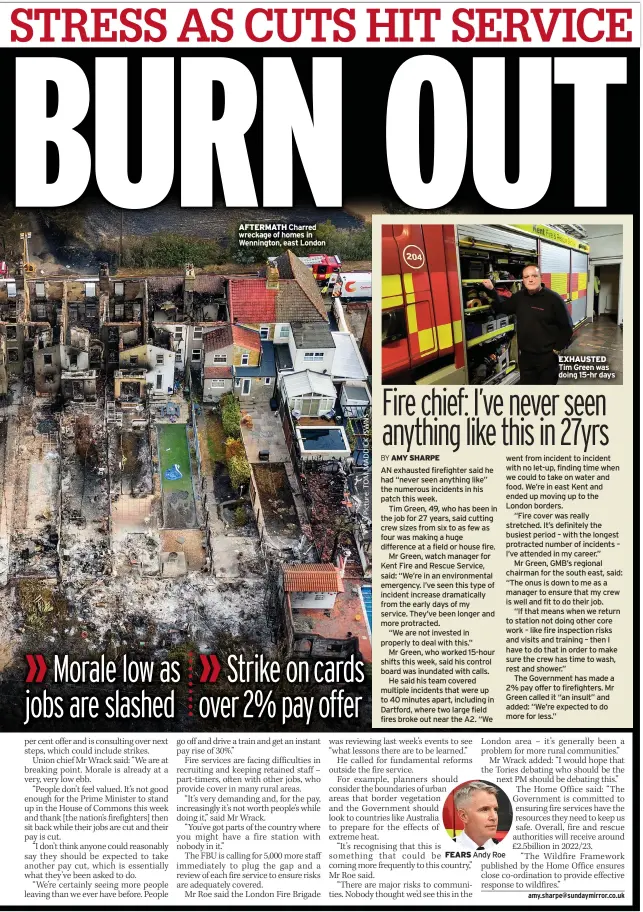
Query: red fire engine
{"points": [[421, 310], [432, 281], [322, 265]]}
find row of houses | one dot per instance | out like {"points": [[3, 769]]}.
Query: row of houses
{"points": [[232, 333], [274, 341]]}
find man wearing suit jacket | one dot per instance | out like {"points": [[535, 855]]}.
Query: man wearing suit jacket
{"points": [[477, 806]]}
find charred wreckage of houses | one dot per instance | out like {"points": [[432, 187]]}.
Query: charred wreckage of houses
{"points": [[113, 505]]}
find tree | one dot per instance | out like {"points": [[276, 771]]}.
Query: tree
{"points": [[239, 469], [230, 416], [240, 516], [234, 447], [12, 223], [348, 243], [67, 223], [167, 250]]}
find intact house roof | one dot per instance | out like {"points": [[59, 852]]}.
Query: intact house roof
{"points": [[251, 302], [217, 372], [267, 366], [291, 267], [347, 363], [312, 578], [356, 395], [229, 334], [304, 383], [312, 335], [295, 304], [283, 361], [297, 298]]}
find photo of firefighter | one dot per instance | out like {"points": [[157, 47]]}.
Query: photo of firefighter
{"points": [[501, 304], [477, 815]]}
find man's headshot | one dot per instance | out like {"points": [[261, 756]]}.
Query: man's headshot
{"points": [[472, 816]]}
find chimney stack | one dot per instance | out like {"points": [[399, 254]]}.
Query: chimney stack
{"points": [[272, 278], [103, 278], [188, 288]]}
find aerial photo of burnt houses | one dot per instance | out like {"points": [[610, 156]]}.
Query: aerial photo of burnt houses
{"points": [[184, 441]]}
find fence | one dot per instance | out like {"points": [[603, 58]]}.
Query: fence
{"points": [[195, 433]]}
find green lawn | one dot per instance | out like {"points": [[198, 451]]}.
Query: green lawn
{"points": [[173, 449]]}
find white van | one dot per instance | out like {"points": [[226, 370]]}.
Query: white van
{"points": [[356, 286]]}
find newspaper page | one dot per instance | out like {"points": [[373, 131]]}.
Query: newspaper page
{"points": [[293, 547]]}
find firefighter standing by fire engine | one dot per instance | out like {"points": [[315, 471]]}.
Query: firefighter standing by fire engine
{"points": [[544, 326]]}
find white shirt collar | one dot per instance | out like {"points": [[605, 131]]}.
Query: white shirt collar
{"points": [[467, 843]]}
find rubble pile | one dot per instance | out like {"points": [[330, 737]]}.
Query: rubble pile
{"points": [[142, 473], [84, 541], [117, 531], [128, 611], [34, 481], [329, 504], [136, 553]]}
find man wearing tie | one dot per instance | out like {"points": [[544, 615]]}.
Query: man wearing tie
{"points": [[477, 806]]}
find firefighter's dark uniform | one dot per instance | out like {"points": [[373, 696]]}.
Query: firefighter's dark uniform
{"points": [[544, 327]]}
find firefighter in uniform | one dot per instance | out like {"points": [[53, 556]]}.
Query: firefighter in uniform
{"points": [[544, 327]]}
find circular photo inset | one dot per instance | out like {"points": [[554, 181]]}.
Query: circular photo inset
{"points": [[477, 815]]}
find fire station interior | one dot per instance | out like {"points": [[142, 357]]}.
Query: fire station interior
{"points": [[492, 353], [487, 352]]}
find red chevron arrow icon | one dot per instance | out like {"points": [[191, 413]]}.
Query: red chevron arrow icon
{"points": [[37, 668], [42, 665], [211, 668], [32, 669]]}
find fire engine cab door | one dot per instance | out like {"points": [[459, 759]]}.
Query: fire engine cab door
{"points": [[395, 345], [435, 247], [416, 290]]}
